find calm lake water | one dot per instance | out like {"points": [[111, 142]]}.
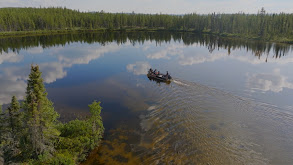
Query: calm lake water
{"points": [[230, 101]]}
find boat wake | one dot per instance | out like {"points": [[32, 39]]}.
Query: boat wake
{"points": [[178, 82], [195, 124]]}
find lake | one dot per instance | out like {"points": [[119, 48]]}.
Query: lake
{"points": [[230, 101]]}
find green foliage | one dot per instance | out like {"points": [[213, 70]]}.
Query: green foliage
{"points": [[15, 117], [82, 136], [59, 158], [262, 25], [2, 135], [13, 131], [40, 116], [37, 137], [96, 123]]}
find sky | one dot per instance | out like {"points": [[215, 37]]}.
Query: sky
{"points": [[161, 6]]}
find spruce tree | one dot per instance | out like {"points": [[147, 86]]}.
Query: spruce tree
{"points": [[96, 123], [1, 135], [40, 117], [15, 118], [13, 131]]}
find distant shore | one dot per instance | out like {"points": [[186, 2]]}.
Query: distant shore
{"points": [[7, 34]]}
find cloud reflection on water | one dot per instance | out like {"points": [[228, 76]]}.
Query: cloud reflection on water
{"points": [[170, 50], [138, 68], [13, 78], [187, 56], [274, 82], [10, 57]]}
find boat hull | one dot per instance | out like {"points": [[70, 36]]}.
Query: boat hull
{"points": [[159, 78]]}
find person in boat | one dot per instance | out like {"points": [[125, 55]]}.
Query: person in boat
{"points": [[158, 72], [151, 70], [167, 73], [155, 71]]}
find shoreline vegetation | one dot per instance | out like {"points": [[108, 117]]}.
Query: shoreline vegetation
{"points": [[46, 21], [77, 30], [30, 132]]}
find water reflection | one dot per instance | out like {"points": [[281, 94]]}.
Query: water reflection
{"points": [[139, 68], [13, 77], [159, 81], [194, 124], [180, 123], [10, 57], [258, 48], [274, 81]]}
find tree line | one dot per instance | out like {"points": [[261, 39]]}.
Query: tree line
{"points": [[261, 25], [212, 42], [30, 132]]}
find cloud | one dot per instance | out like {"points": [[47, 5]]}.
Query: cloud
{"points": [[31, 3], [83, 55], [12, 82], [152, 6], [52, 71], [200, 58], [10, 57], [274, 82], [13, 78], [166, 52], [35, 50], [239, 55], [138, 68]]}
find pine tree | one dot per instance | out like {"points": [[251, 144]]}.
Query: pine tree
{"points": [[40, 117]]}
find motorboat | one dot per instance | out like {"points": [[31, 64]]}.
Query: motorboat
{"points": [[156, 75]]}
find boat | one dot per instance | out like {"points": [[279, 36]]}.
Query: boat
{"points": [[157, 76]]}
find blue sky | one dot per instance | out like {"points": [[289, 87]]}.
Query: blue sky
{"points": [[161, 6]]}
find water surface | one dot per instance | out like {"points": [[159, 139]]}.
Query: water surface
{"points": [[229, 103]]}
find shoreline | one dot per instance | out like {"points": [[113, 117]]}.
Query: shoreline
{"points": [[10, 34]]}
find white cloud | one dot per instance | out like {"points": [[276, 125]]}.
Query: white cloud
{"points": [[10, 87], [12, 82], [52, 71], [10, 57], [138, 68], [239, 55], [274, 82], [31, 3], [165, 53], [160, 6], [13, 78], [35, 50], [201, 58], [84, 55]]}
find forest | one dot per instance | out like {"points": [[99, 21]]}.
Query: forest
{"points": [[31, 133], [211, 42], [264, 26]]}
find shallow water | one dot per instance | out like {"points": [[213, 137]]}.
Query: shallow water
{"points": [[229, 102]]}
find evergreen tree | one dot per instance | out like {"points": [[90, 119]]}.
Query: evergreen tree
{"points": [[13, 131], [14, 117], [1, 135], [40, 117], [96, 123], [33, 137]]}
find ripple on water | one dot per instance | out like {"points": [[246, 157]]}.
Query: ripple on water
{"points": [[192, 123]]}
